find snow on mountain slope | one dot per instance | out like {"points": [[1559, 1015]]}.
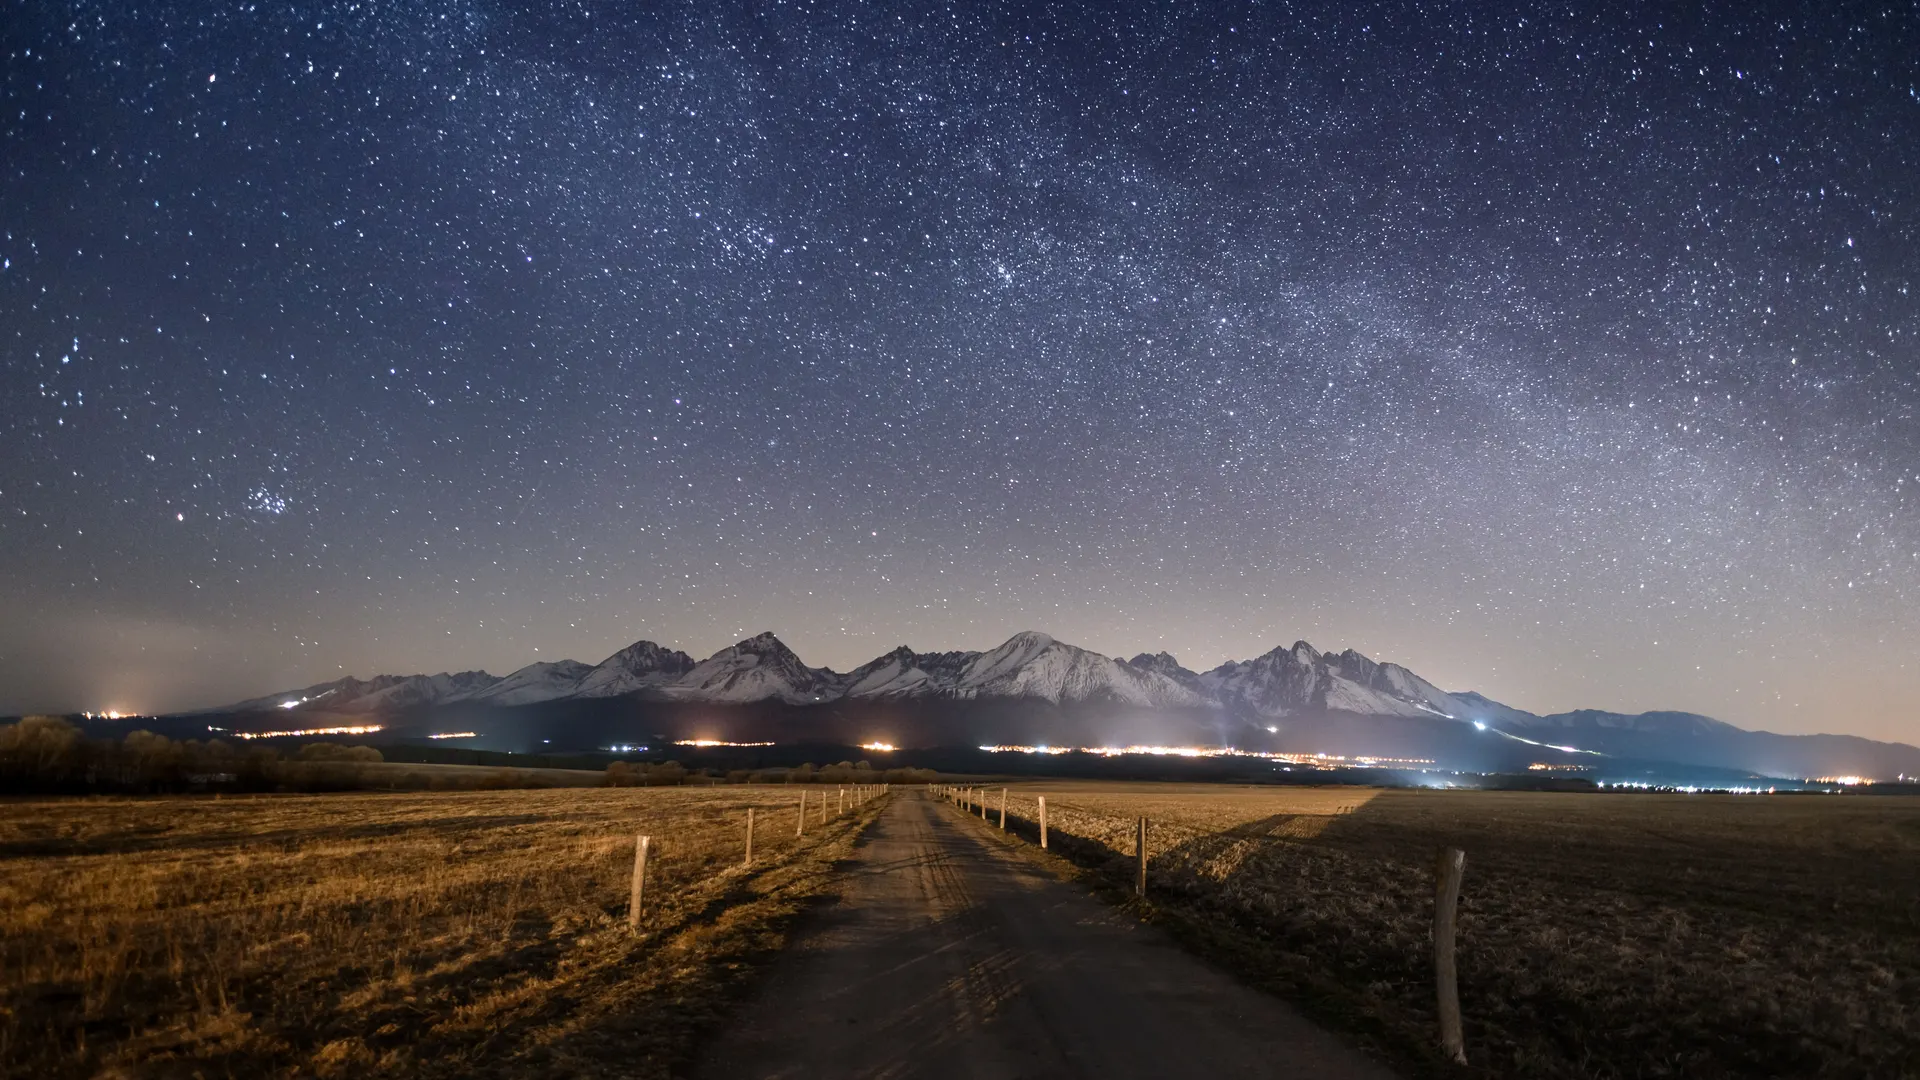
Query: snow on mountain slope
{"points": [[1275, 683], [1164, 663], [1301, 679], [1283, 682], [1479, 707], [382, 692], [905, 673], [319, 696], [416, 690], [1031, 664], [541, 681], [640, 666], [761, 668]]}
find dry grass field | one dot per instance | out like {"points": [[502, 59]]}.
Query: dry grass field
{"points": [[430, 934], [1600, 935]]}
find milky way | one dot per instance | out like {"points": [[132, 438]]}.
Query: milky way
{"points": [[1567, 355]]}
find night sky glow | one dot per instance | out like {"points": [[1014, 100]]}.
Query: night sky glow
{"points": [[1563, 353]]}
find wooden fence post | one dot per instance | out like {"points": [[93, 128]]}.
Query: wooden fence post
{"points": [[1043, 822], [748, 861], [800, 823], [843, 800], [983, 804], [639, 881], [1140, 856], [1003, 809], [1446, 903]]}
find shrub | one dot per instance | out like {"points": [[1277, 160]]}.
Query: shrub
{"points": [[324, 751], [42, 751]]}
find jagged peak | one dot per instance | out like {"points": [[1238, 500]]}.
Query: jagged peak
{"points": [[1299, 653], [653, 653], [764, 643], [1161, 663]]}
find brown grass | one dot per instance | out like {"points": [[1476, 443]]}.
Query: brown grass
{"points": [[1600, 935], [445, 934]]}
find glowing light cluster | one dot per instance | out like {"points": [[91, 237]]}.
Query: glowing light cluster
{"points": [[1028, 749], [716, 742], [455, 735], [880, 746], [294, 703], [1320, 760], [354, 729], [1849, 781], [1481, 726], [110, 714], [1684, 789]]}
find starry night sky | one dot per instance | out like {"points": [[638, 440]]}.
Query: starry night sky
{"points": [[1566, 354]]}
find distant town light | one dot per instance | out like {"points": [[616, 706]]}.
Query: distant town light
{"points": [[881, 746], [716, 742], [1321, 760], [356, 729], [455, 735]]}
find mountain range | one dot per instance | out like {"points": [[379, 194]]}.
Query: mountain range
{"points": [[1029, 664], [1294, 692]]}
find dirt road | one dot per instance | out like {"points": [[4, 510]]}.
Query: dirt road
{"points": [[951, 957]]}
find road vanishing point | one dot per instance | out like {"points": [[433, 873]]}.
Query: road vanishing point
{"points": [[949, 955]]}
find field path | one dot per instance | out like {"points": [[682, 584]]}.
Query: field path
{"points": [[949, 956]]}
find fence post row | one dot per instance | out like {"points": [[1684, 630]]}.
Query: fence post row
{"points": [[1140, 856], [639, 881], [1446, 903]]}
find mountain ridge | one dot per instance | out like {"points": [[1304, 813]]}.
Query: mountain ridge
{"points": [[1282, 686]]}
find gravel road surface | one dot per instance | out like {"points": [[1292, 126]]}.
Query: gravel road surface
{"points": [[949, 956]]}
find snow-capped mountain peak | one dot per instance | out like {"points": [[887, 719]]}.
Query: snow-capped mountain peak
{"points": [[1284, 681], [1166, 664], [541, 681], [1033, 665], [1301, 679], [905, 673], [642, 665], [758, 668]]}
